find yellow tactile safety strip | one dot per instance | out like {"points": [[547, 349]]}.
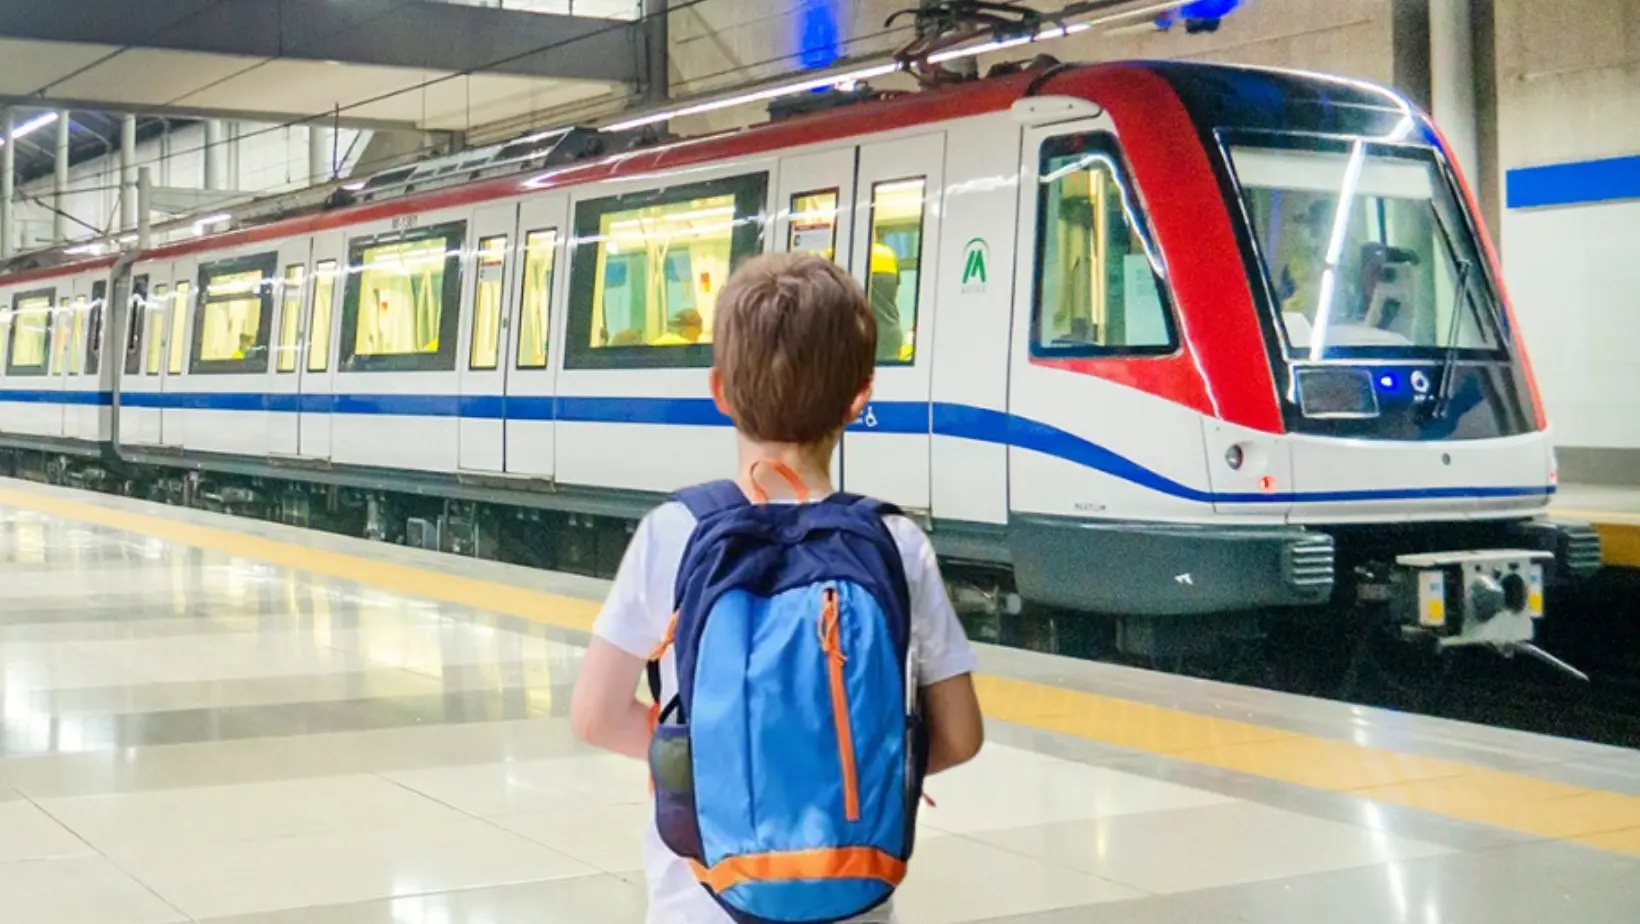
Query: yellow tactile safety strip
{"points": [[1619, 534], [1512, 801]]}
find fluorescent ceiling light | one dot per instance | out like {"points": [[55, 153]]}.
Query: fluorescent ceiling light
{"points": [[202, 224], [787, 89], [847, 79], [30, 126]]}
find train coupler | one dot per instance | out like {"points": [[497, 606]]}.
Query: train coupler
{"points": [[1487, 597]]}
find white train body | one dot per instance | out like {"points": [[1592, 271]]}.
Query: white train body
{"points": [[1098, 472]]}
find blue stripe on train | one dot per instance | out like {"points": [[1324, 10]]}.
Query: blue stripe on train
{"points": [[897, 417]]}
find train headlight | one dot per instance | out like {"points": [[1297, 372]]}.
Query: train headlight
{"points": [[1234, 457]]}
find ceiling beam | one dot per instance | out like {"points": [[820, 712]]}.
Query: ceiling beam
{"points": [[391, 33]]}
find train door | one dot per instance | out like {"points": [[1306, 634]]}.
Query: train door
{"points": [[530, 429], [60, 418], [814, 216], [886, 453], [176, 319], [283, 379], [316, 368], [481, 442], [80, 406]]}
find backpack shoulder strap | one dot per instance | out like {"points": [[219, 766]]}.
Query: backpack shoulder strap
{"points": [[867, 504], [706, 499]]}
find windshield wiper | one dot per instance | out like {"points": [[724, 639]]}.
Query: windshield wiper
{"points": [[1449, 364]]}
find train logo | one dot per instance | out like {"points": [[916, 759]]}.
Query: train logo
{"points": [[976, 259]]}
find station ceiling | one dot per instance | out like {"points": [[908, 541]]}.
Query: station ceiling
{"points": [[411, 64]]}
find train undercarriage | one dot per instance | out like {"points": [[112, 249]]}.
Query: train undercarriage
{"points": [[1469, 585]]}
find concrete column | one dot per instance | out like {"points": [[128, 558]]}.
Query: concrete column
{"points": [[59, 186], [216, 154], [1452, 78], [233, 178], [128, 173], [8, 177], [145, 207], [319, 169], [657, 88]]}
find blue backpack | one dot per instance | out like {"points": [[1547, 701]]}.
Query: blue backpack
{"points": [[788, 766]]}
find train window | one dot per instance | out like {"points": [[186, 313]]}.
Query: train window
{"points": [[76, 350], [181, 302], [485, 352], [324, 293], [61, 334], [896, 256], [393, 310], [5, 334], [158, 301], [30, 332], [534, 314], [1099, 282], [135, 326], [94, 327], [290, 318], [813, 224], [647, 267], [235, 315], [1364, 248]]}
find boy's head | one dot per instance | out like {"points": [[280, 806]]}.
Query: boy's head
{"points": [[793, 347]]}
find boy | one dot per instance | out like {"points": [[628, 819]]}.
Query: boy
{"points": [[793, 347]]}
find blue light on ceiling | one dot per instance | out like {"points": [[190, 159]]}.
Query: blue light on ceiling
{"points": [[817, 40], [1197, 15], [1209, 9]]}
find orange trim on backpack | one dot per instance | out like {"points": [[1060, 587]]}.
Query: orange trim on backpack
{"points": [[831, 642], [835, 863], [786, 474], [666, 640]]}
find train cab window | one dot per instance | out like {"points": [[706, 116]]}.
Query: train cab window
{"points": [[534, 310], [400, 309], [813, 224], [30, 333], [181, 302], [94, 327], [76, 349], [135, 325], [235, 316], [1099, 280], [324, 295], [485, 352], [290, 317], [155, 311], [647, 267], [1365, 247], [892, 279]]}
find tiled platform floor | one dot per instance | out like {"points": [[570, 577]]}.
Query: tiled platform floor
{"points": [[193, 736]]}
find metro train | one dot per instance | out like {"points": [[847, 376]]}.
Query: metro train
{"points": [[1182, 344]]}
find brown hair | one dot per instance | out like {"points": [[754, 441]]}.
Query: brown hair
{"points": [[794, 342]]}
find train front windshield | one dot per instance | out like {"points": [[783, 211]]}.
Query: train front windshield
{"points": [[1368, 251]]}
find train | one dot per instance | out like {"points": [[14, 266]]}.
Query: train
{"points": [[1186, 346]]}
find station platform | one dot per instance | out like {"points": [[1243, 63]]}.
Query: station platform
{"points": [[219, 720], [1615, 514]]}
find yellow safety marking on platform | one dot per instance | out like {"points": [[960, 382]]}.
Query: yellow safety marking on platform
{"points": [[1512, 801], [445, 588], [1619, 534]]}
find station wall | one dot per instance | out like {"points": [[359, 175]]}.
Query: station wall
{"points": [[1568, 89], [266, 159]]}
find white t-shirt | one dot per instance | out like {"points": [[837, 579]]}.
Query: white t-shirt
{"points": [[639, 608]]}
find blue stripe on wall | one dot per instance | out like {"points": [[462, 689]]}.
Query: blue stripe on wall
{"points": [[903, 417], [1578, 183]]}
